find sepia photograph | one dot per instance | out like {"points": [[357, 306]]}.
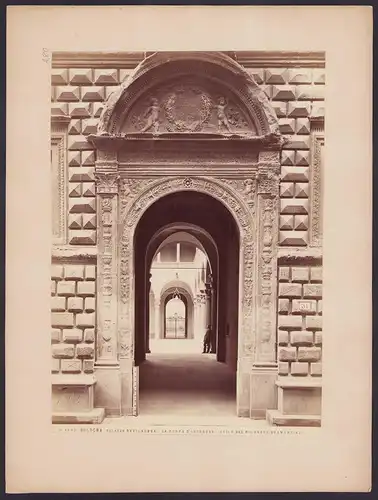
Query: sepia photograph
{"points": [[187, 223], [189, 206]]}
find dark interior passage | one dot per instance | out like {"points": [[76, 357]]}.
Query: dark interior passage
{"points": [[205, 212]]}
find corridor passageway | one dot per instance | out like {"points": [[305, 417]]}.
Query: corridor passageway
{"points": [[177, 382]]}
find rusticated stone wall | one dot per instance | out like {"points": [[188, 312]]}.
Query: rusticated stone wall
{"points": [[300, 321], [297, 96], [73, 318]]}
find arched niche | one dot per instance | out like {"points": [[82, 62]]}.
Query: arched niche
{"points": [[186, 90]]}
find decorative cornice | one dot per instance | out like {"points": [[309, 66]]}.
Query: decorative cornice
{"points": [[127, 60], [71, 254], [63, 120], [248, 59], [117, 141], [310, 255], [277, 59], [77, 379]]}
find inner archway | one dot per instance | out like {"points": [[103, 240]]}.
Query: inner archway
{"points": [[175, 318], [209, 221], [179, 293]]}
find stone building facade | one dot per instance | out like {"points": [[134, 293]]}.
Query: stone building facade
{"points": [[231, 140]]}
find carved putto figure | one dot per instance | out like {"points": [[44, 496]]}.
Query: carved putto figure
{"points": [[221, 114], [248, 188], [152, 116]]}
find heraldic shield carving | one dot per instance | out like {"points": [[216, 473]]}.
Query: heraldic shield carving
{"points": [[195, 105]]}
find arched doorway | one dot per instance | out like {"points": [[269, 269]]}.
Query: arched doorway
{"points": [[212, 223], [175, 317], [203, 211], [176, 293], [187, 275], [238, 169]]}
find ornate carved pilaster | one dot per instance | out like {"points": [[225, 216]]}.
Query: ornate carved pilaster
{"points": [[147, 313], [107, 199], [157, 318], [268, 199]]}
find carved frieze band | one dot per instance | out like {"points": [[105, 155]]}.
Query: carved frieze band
{"points": [[107, 190]]}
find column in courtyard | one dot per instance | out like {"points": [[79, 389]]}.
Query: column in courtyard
{"points": [[203, 314], [157, 319], [208, 320], [212, 321], [197, 319], [147, 313]]}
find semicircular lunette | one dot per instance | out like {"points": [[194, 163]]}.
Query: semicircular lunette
{"points": [[188, 105]]}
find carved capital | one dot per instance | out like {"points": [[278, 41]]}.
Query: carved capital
{"points": [[107, 182]]}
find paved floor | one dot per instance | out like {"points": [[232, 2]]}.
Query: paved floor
{"points": [[180, 387], [177, 379]]}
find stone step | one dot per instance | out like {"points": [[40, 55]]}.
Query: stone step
{"points": [[275, 417], [95, 416]]}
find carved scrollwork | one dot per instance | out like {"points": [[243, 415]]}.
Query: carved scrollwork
{"points": [[268, 230]]}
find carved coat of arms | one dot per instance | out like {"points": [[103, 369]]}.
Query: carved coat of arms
{"points": [[187, 109]]}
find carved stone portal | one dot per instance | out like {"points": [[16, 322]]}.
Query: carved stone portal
{"points": [[254, 206], [190, 105]]}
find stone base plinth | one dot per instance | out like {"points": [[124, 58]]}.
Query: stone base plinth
{"points": [[95, 416], [263, 389], [129, 387], [107, 392], [257, 391], [73, 399], [299, 402], [274, 417]]}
